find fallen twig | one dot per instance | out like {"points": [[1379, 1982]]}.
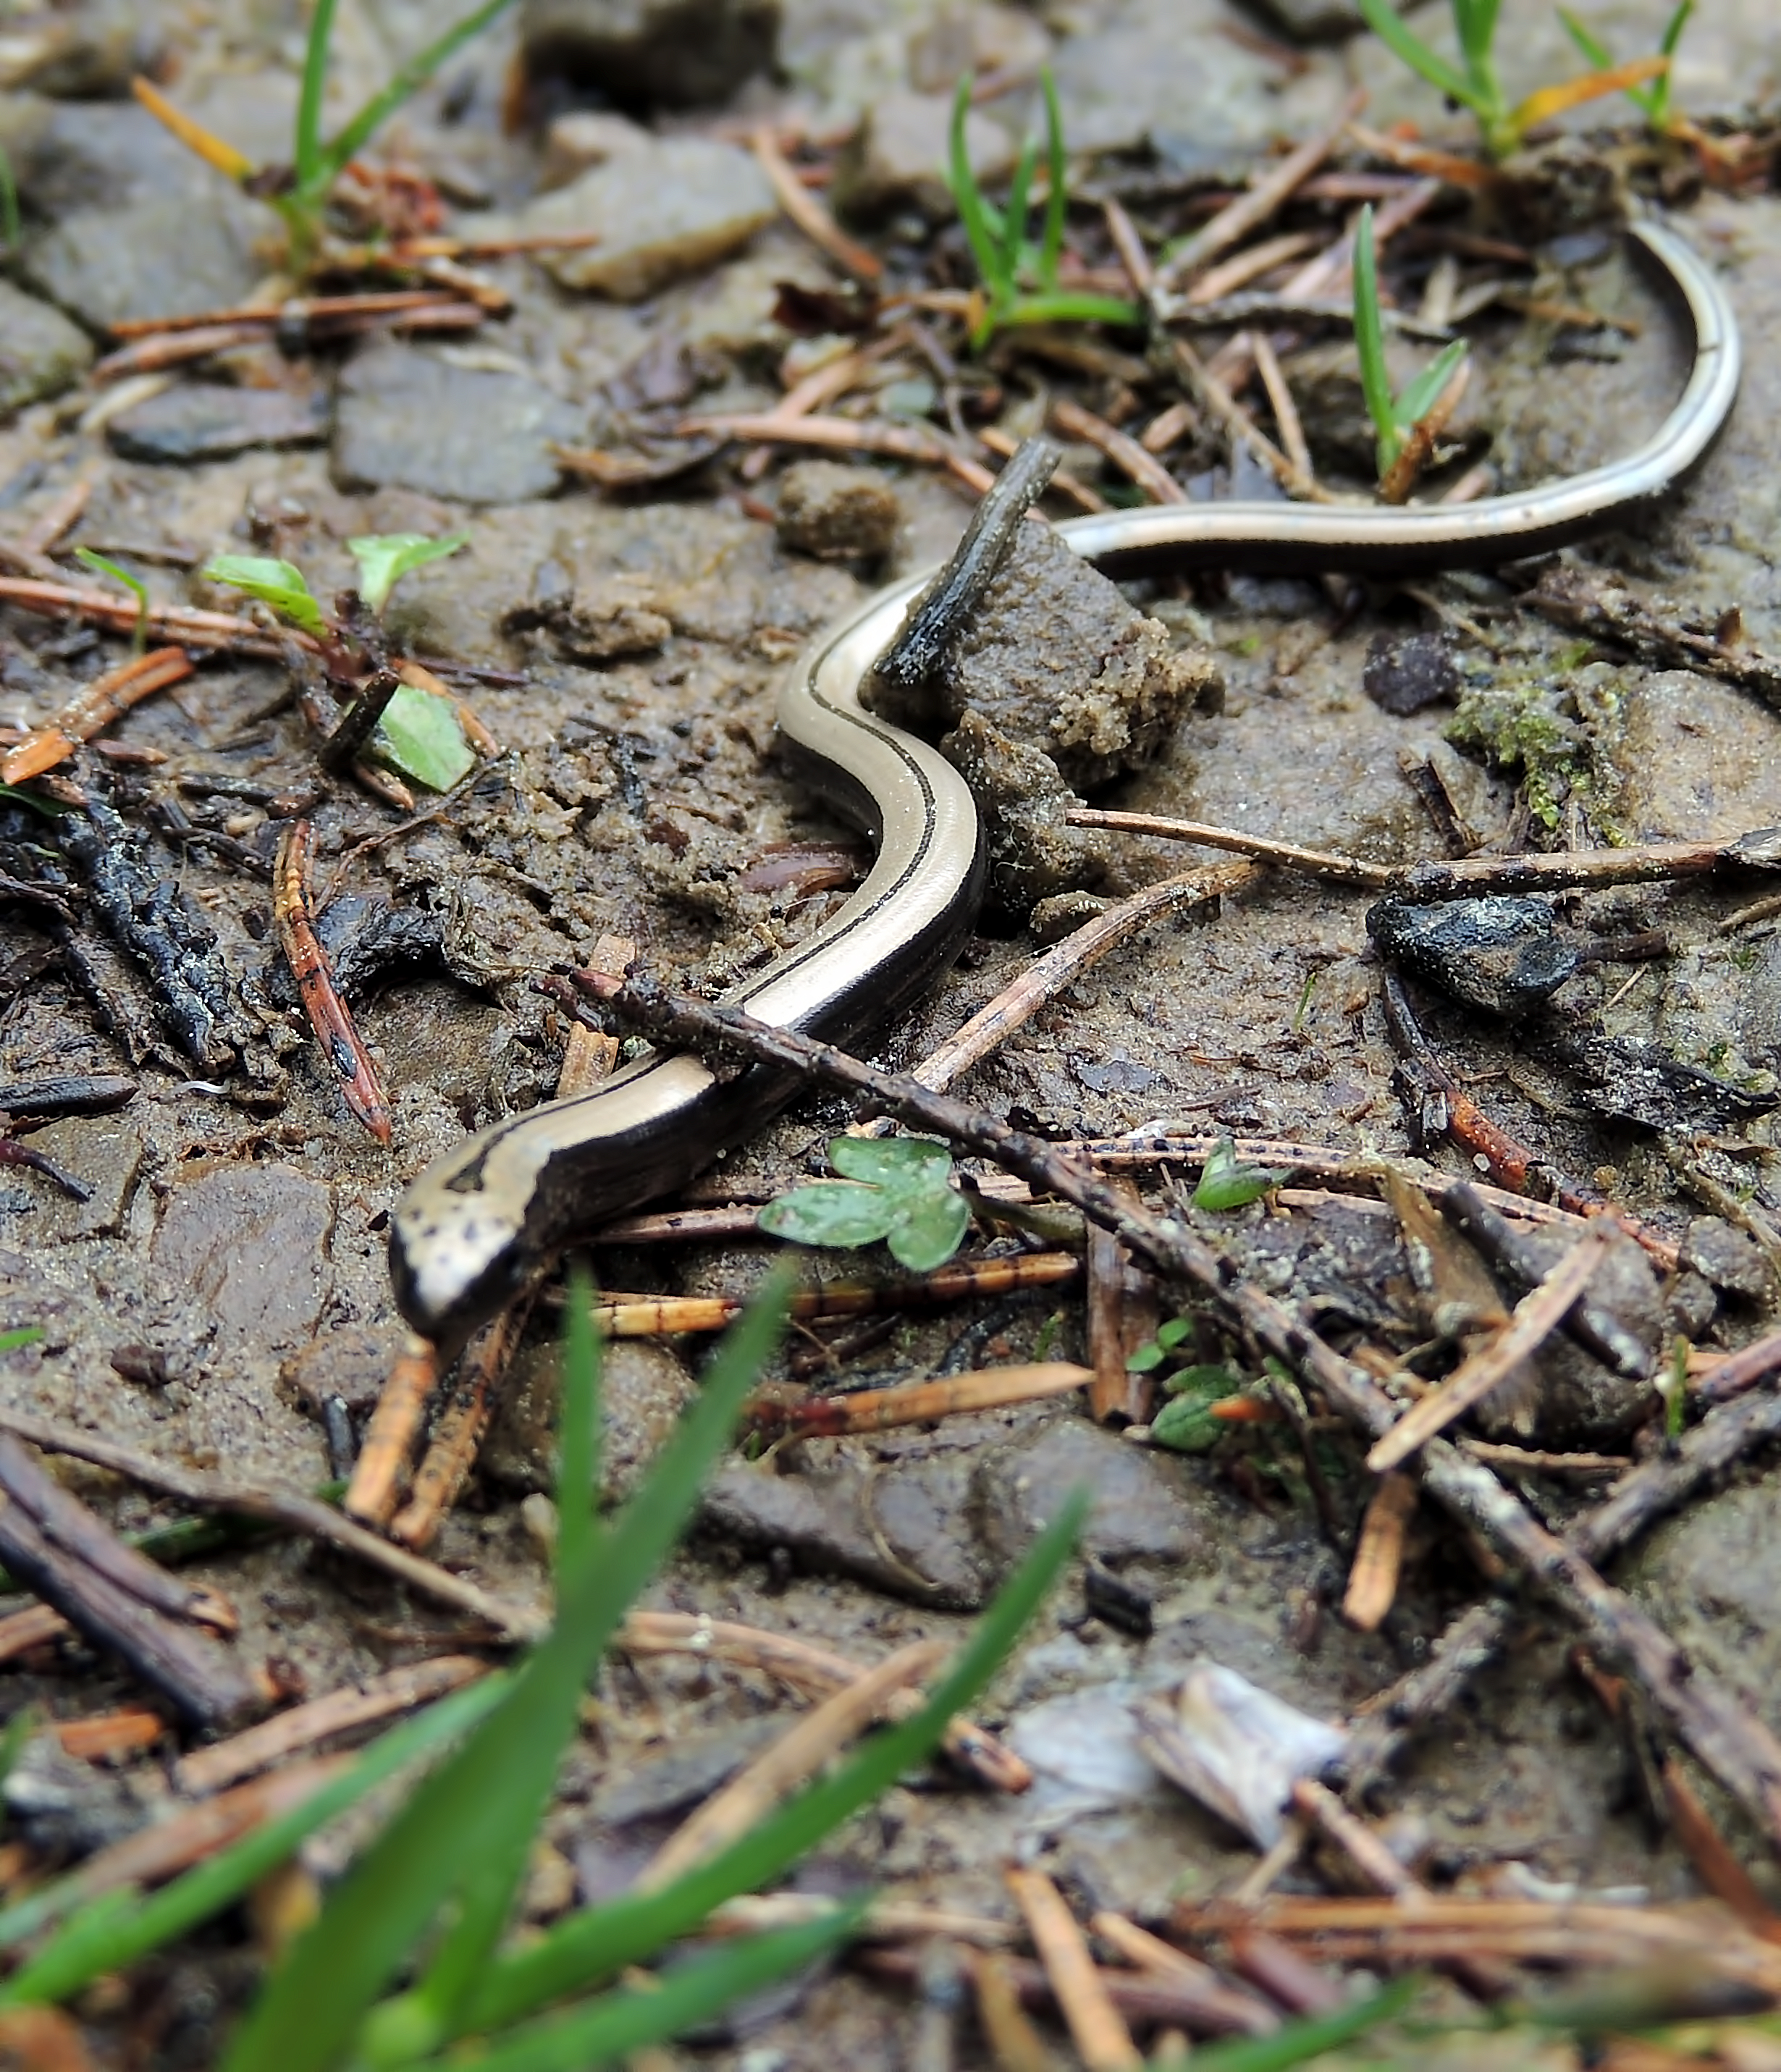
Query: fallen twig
{"points": [[809, 215], [121, 1602], [103, 701], [1097, 2028], [283, 1508], [912, 1403]]}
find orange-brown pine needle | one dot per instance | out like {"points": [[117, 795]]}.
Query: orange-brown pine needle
{"points": [[328, 1014], [389, 1437], [916, 1403], [195, 137], [103, 701]]}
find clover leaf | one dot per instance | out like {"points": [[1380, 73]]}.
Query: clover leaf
{"points": [[897, 1188], [421, 736], [1227, 1183]]}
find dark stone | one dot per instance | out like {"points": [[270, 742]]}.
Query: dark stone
{"points": [[351, 1365], [1632, 1080], [1140, 1512], [651, 53], [212, 420], [165, 256], [838, 513], [409, 420], [1501, 954], [41, 353], [1404, 673], [1033, 852]]}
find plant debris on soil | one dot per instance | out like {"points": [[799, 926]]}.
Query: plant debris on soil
{"points": [[1374, 1220]]}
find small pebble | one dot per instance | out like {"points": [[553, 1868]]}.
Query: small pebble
{"points": [[837, 513]]}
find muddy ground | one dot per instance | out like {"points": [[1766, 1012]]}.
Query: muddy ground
{"points": [[228, 1270]]}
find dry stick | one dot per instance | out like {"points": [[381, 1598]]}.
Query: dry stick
{"points": [[809, 215], [818, 1670], [1741, 1370], [1004, 446], [451, 1452], [115, 1596], [1320, 863], [190, 627], [329, 1016], [1124, 453], [1097, 2029], [110, 1735], [1238, 271], [914, 1402], [1536, 1316], [209, 1770], [1238, 218], [842, 434], [1714, 1865], [940, 614], [413, 1375], [1154, 1998], [1279, 401], [795, 1757], [1215, 398], [59, 518], [1645, 863], [1149, 1953], [296, 1514], [1130, 247], [1015, 2044], [1739, 1750]]}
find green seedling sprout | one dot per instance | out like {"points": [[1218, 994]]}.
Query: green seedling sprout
{"points": [[300, 192], [1652, 101], [1019, 279], [1474, 84], [418, 733], [1395, 417], [1226, 1182], [26, 1334], [431, 1899], [384, 558], [137, 588], [897, 1188]]}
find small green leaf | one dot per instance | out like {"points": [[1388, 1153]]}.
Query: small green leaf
{"points": [[927, 1235], [1382, 18], [384, 558], [26, 1335], [829, 1212], [275, 583], [1420, 395], [1227, 1183], [1185, 1425], [421, 736], [887, 1161]]}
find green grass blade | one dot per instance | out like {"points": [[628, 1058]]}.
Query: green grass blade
{"points": [[621, 2022], [983, 226], [308, 142], [120, 1927], [10, 228], [407, 80], [595, 1943], [1655, 99], [1057, 167], [1382, 18], [134, 584], [1594, 52], [1419, 395], [1300, 2042], [686, 1995], [1370, 343], [1064, 307], [488, 1898], [1013, 221], [307, 2017]]}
